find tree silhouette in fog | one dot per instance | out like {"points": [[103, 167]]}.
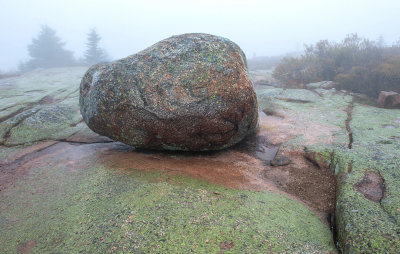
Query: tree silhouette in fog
{"points": [[47, 50], [93, 53]]}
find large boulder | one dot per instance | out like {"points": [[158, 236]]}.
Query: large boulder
{"points": [[188, 92], [389, 100]]}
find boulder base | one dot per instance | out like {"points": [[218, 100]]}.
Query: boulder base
{"points": [[188, 92]]}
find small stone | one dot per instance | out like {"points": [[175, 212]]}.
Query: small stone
{"points": [[280, 160]]}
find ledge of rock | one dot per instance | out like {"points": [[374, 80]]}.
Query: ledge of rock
{"points": [[188, 92]]}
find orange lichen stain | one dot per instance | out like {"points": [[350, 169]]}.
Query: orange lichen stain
{"points": [[26, 247], [229, 168]]}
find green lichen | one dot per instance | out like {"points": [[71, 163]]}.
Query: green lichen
{"points": [[36, 93], [93, 207], [49, 122], [364, 226], [98, 209]]}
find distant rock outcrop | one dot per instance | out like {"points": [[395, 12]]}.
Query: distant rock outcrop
{"points": [[322, 85], [389, 100], [187, 92]]}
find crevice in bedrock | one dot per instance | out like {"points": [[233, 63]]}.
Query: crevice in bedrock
{"points": [[17, 167], [316, 92], [332, 225], [69, 95], [17, 159], [19, 118], [305, 175], [98, 139], [15, 118], [4, 109], [323, 161], [293, 100], [19, 111], [349, 112], [318, 159], [45, 100], [19, 163], [85, 143], [382, 187], [309, 182]]}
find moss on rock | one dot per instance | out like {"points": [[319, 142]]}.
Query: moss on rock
{"points": [[101, 209], [364, 225]]}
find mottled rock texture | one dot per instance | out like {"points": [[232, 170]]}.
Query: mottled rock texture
{"points": [[389, 100], [187, 92]]}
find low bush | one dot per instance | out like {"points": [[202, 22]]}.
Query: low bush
{"points": [[357, 64]]}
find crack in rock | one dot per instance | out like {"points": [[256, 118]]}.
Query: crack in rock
{"points": [[349, 111], [47, 99], [17, 167], [16, 120], [19, 111]]}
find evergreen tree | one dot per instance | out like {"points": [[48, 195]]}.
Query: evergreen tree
{"points": [[93, 53], [47, 50]]}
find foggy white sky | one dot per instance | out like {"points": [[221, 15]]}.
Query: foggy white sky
{"points": [[268, 27]]}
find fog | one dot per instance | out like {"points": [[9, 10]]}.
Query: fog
{"points": [[261, 28]]}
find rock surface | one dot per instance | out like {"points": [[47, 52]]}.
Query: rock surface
{"points": [[262, 78], [187, 92], [66, 189], [389, 100], [360, 144], [322, 85], [280, 161]]}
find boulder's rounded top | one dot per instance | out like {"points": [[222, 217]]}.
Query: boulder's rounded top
{"points": [[198, 44]]}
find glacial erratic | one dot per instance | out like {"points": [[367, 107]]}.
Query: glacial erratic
{"points": [[188, 92]]}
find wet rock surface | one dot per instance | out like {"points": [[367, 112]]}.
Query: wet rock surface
{"points": [[189, 92], [83, 192], [258, 146]]}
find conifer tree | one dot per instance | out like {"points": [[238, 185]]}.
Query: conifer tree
{"points": [[93, 53], [47, 50]]}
